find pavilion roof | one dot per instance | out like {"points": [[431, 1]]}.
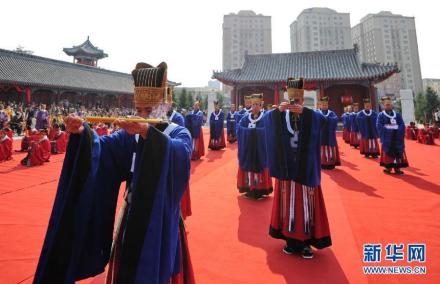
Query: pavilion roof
{"points": [[333, 65], [35, 71], [86, 49]]}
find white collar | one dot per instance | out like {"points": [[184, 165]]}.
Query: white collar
{"points": [[172, 115], [326, 115], [387, 115], [170, 128], [371, 112], [196, 112], [42, 139], [5, 138], [254, 121], [289, 127], [219, 112]]}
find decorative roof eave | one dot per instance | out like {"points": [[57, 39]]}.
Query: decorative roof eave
{"points": [[38, 85], [375, 78], [49, 86], [85, 49]]}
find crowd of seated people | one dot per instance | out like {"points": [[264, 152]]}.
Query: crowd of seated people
{"points": [[42, 130]]}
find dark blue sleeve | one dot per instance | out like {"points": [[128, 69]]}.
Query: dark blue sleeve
{"points": [[181, 148]]}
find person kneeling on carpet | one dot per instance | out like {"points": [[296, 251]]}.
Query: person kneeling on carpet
{"points": [[39, 151]]}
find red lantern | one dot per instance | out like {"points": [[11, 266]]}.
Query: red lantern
{"points": [[346, 100]]}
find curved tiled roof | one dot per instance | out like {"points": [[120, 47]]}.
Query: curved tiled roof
{"points": [[86, 48], [35, 71], [331, 65]]}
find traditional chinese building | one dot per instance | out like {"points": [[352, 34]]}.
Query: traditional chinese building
{"points": [[85, 53], [338, 74], [33, 79]]}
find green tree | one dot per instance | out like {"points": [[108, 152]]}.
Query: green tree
{"points": [[205, 103], [420, 104], [199, 98], [220, 98], [190, 100], [183, 98], [432, 102], [398, 105], [175, 102]]}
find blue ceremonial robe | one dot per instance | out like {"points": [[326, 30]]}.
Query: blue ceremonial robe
{"points": [[231, 122], [302, 165], [393, 142], [79, 235], [251, 146], [346, 120], [367, 124], [328, 133], [177, 118], [216, 126], [352, 122], [194, 122]]}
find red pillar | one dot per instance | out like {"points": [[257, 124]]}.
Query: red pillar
{"points": [[28, 95], [234, 96], [276, 95]]}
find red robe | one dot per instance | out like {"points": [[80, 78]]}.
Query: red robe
{"points": [[299, 215], [185, 204], [58, 143], [5, 149], [435, 132], [217, 144], [9, 132], [425, 137], [198, 147], [28, 139], [411, 133], [38, 153]]}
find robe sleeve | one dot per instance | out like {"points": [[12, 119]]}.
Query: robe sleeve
{"points": [[79, 235], [181, 147], [251, 147], [276, 153], [380, 126]]}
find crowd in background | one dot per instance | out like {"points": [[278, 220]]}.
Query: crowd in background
{"points": [[20, 118]]}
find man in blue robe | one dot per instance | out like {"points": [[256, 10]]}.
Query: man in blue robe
{"points": [[253, 176], [346, 125], [329, 146], [354, 130], [366, 122], [176, 117], [154, 161], [194, 122], [293, 142], [217, 132], [231, 125], [391, 129]]}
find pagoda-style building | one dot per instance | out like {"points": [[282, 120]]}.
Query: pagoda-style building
{"points": [[338, 74], [85, 53], [31, 79]]}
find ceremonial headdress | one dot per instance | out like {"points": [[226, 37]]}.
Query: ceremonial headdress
{"points": [[150, 84], [247, 100], [324, 100], [256, 98], [385, 99], [295, 88]]}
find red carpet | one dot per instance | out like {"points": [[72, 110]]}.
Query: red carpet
{"points": [[228, 235]]}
